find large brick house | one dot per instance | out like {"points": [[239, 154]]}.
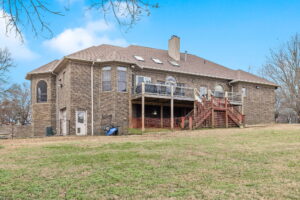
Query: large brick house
{"points": [[144, 87]]}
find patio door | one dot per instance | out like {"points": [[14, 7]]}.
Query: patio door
{"points": [[63, 122], [81, 123]]}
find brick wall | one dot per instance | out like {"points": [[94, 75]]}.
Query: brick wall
{"points": [[43, 114], [188, 80], [259, 103], [115, 107]]}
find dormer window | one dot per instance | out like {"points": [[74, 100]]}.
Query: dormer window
{"points": [[139, 58], [174, 63], [157, 61]]}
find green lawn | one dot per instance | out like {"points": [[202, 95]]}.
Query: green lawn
{"points": [[255, 163]]}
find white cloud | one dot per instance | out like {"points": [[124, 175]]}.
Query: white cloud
{"points": [[19, 50], [74, 39]]}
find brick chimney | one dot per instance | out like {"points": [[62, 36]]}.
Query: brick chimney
{"points": [[174, 48]]}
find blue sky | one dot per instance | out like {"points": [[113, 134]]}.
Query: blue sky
{"points": [[234, 33]]}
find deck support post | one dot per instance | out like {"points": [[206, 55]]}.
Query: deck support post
{"points": [[143, 107], [172, 107], [212, 113], [243, 96], [226, 107], [190, 122], [130, 114], [161, 116]]}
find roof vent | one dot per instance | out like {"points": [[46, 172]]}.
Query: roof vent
{"points": [[139, 58]]}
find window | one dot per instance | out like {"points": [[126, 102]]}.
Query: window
{"points": [[244, 92], [174, 63], [170, 80], [203, 91], [161, 82], [41, 91], [122, 79], [139, 58], [157, 61], [106, 79], [179, 89], [219, 91], [142, 79], [80, 117]]}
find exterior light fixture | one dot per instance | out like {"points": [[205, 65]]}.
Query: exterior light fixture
{"points": [[154, 112]]}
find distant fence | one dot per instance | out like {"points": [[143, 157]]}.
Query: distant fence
{"points": [[15, 131]]}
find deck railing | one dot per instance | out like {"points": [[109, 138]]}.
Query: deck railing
{"points": [[165, 90], [179, 92], [235, 97]]}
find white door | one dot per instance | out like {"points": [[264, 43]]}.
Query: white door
{"points": [[81, 123], [63, 121]]}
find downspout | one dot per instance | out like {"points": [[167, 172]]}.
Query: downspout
{"points": [[92, 96]]}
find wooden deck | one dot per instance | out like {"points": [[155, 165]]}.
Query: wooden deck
{"points": [[168, 94]]}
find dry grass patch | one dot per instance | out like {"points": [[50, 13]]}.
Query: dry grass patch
{"points": [[251, 163]]}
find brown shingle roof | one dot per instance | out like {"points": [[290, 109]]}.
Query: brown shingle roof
{"points": [[192, 65], [45, 68]]}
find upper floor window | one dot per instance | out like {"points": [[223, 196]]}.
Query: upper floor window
{"points": [[244, 92], [122, 79], [170, 80], [219, 91], [142, 79], [41, 91], [106, 79], [203, 91]]}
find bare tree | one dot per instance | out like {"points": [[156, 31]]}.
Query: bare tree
{"points": [[283, 68], [126, 12], [6, 63], [15, 104], [32, 13]]}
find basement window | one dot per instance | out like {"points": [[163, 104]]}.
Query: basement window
{"points": [[139, 58], [174, 63], [157, 61]]}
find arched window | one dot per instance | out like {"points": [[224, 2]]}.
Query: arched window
{"points": [[170, 80], [219, 91], [41, 91]]}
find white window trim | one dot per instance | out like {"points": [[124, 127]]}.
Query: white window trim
{"points": [[146, 79], [124, 69], [107, 68], [244, 92]]}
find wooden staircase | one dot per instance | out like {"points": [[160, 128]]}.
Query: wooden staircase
{"points": [[213, 112]]}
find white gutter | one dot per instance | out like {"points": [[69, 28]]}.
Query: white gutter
{"points": [[92, 96]]}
